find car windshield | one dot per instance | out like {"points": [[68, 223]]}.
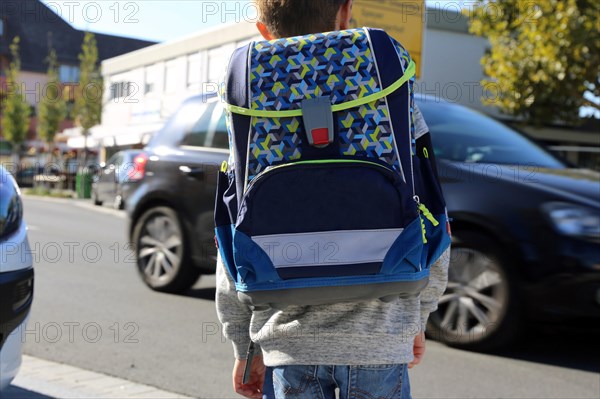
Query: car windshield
{"points": [[179, 123], [462, 135]]}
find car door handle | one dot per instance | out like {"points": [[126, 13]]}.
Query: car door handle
{"points": [[196, 173]]}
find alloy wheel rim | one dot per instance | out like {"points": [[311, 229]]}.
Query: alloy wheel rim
{"points": [[161, 248], [476, 297]]}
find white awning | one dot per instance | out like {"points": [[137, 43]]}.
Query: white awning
{"points": [[79, 142], [110, 136]]}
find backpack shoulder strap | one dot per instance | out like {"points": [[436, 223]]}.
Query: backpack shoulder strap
{"points": [[393, 61], [236, 93]]}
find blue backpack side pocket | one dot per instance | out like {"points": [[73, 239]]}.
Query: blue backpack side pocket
{"points": [[223, 223]]}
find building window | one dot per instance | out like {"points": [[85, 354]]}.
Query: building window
{"points": [[174, 76], [68, 73], [217, 57], [151, 78], [1, 27], [120, 89], [195, 69]]}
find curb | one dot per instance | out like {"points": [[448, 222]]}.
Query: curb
{"points": [[43, 379]]}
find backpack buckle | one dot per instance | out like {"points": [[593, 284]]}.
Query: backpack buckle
{"points": [[318, 121]]}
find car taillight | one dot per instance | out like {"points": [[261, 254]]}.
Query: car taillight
{"points": [[139, 167]]}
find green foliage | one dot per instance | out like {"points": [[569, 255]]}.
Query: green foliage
{"points": [[545, 54], [47, 192], [88, 96], [15, 110], [53, 108]]}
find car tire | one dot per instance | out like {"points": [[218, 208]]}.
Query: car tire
{"points": [[479, 310], [162, 252], [97, 202]]}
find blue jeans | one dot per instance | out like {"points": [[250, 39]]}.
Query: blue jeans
{"points": [[354, 382]]}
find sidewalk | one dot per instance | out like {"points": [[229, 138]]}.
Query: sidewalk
{"points": [[43, 379], [79, 202]]}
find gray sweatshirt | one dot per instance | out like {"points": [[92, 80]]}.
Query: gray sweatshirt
{"points": [[358, 333]]}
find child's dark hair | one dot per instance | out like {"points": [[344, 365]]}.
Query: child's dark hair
{"points": [[286, 18]]}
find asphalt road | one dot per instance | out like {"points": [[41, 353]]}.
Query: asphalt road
{"points": [[92, 311]]}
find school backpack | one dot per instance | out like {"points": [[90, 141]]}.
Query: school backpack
{"points": [[324, 199]]}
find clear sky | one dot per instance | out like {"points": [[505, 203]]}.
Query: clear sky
{"points": [[161, 20], [157, 20]]}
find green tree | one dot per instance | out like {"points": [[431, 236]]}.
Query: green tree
{"points": [[53, 108], [544, 58], [15, 110], [88, 95]]}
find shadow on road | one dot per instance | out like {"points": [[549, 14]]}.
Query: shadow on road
{"points": [[13, 392], [201, 293], [551, 345], [570, 349]]}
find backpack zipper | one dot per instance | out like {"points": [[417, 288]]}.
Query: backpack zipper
{"points": [[270, 169], [422, 210]]}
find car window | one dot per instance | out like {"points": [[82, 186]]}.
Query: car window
{"points": [[463, 135], [218, 137], [119, 160], [113, 160], [196, 135], [179, 124], [221, 139]]}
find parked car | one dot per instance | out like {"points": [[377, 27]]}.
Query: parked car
{"points": [[526, 227], [25, 176], [117, 178], [171, 212], [16, 278]]}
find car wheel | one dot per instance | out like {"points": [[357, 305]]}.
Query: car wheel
{"points": [[479, 310], [95, 198], [161, 251]]}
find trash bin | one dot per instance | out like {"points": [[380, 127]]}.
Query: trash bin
{"points": [[83, 185]]}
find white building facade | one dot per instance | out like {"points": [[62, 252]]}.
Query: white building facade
{"points": [[143, 88]]}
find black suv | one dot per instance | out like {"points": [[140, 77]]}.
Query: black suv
{"points": [[526, 227], [171, 212]]}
